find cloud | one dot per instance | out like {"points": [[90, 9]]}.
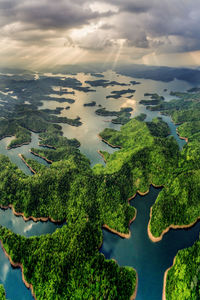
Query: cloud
{"points": [[144, 26]]}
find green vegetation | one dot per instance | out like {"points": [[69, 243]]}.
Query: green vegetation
{"points": [[69, 190], [155, 99], [141, 117], [178, 203], [145, 157], [93, 103], [104, 83], [97, 75], [2, 293], [119, 94], [27, 119], [183, 279], [12, 127], [68, 265], [154, 96], [133, 82], [123, 116], [56, 111]]}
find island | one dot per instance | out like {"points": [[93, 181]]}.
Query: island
{"points": [[104, 83], [123, 116], [119, 94], [155, 99], [97, 75], [92, 103], [133, 82]]}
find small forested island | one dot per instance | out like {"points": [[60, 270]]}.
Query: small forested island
{"points": [[104, 83], [155, 99], [119, 94], [123, 116], [133, 82], [92, 103], [98, 75]]}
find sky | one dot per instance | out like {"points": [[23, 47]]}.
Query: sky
{"points": [[39, 33]]}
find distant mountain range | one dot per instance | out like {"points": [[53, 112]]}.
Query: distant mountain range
{"points": [[160, 73]]}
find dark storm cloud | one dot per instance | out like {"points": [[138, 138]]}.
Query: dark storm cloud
{"points": [[159, 25], [167, 25], [137, 6], [47, 14]]}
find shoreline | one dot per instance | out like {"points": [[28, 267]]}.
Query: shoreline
{"points": [[122, 235], [128, 235], [40, 219], [43, 157], [101, 154], [19, 265], [172, 226], [29, 167], [165, 280], [106, 142], [19, 145], [145, 193], [133, 296], [47, 146], [181, 137]]}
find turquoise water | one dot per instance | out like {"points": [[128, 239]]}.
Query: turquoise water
{"points": [[149, 259]]}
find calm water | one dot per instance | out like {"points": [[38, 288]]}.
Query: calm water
{"points": [[149, 259], [12, 278]]}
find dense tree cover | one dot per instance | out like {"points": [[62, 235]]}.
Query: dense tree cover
{"points": [[178, 203], [2, 293], [55, 111], [26, 88], [155, 99], [145, 157], [88, 198], [92, 103], [123, 115], [68, 265], [27, 118], [104, 83], [183, 279], [133, 82], [119, 94], [12, 127]]}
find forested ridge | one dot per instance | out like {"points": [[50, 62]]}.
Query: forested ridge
{"points": [[67, 264]]}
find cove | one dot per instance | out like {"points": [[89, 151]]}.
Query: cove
{"points": [[12, 278], [149, 259]]}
